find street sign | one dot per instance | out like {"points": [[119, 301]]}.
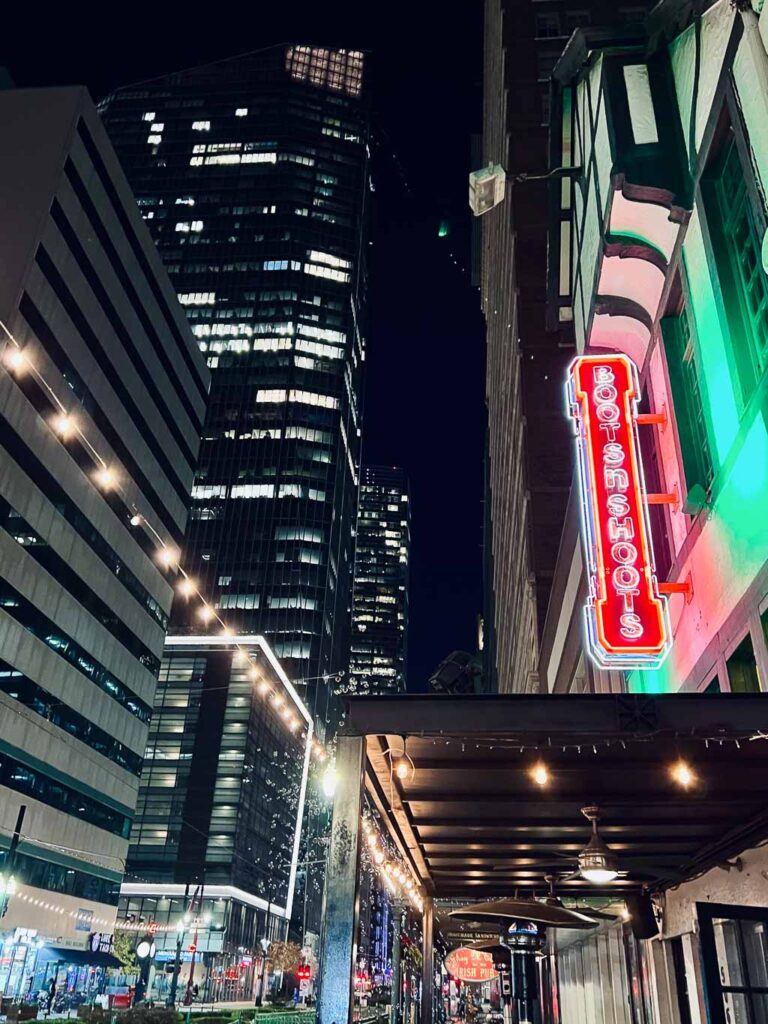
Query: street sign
{"points": [[470, 965]]}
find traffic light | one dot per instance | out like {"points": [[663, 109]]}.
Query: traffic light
{"points": [[304, 972]]}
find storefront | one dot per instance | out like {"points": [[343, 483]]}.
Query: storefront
{"points": [[29, 967]]}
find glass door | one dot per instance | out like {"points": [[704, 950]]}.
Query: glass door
{"points": [[735, 961]]}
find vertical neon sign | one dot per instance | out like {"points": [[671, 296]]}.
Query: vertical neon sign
{"points": [[626, 619]]}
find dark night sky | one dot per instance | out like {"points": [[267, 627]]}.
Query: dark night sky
{"points": [[424, 390]]}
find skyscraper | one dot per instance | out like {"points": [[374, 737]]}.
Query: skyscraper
{"points": [[380, 602], [102, 397], [252, 175]]}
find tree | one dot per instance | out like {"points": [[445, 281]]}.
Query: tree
{"points": [[285, 956], [123, 948]]}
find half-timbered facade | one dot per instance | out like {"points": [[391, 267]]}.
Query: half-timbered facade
{"points": [[658, 250]]}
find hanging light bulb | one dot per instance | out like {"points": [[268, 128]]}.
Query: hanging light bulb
{"points": [[264, 688], [136, 519], [402, 768], [205, 612], [540, 774], [226, 631], [597, 862], [186, 587]]}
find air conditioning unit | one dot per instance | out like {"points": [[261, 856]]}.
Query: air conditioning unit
{"points": [[486, 188]]}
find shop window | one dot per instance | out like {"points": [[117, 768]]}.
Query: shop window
{"points": [[685, 378], [736, 236], [733, 946], [742, 668]]}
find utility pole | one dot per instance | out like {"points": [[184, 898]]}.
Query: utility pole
{"points": [[188, 995], [265, 943], [7, 880], [171, 1001]]}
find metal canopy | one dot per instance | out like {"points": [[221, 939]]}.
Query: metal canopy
{"points": [[474, 825]]}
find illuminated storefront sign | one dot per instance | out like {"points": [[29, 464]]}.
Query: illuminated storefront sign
{"points": [[470, 965], [626, 619]]}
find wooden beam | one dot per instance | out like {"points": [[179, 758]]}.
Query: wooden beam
{"points": [[393, 813]]}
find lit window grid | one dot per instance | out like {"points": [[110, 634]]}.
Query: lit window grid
{"points": [[238, 801], [331, 178]]}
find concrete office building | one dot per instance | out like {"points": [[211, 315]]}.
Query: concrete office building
{"points": [[102, 399]]}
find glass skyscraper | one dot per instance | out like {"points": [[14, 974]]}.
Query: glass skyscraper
{"points": [[380, 603], [252, 175]]}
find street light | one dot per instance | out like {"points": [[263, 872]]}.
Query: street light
{"points": [[265, 943], [487, 187], [329, 782]]}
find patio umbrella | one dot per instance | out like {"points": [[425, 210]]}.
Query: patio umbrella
{"points": [[527, 910], [498, 952], [597, 915]]}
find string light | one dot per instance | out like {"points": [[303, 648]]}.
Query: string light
{"points": [[166, 557], [393, 870], [63, 425], [15, 360], [106, 479]]}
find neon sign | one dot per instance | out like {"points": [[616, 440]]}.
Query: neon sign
{"points": [[626, 619]]}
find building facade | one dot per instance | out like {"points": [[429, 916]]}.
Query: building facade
{"points": [[252, 176], [528, 472], [380, 600], [217, 832], [102, 399], [661, 255]]}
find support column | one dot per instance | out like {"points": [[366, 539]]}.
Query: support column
{"points": [[428, 964], [335, 1001]]}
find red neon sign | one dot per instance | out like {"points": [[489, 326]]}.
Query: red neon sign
{"points": [[626, 619], [470, 965]]}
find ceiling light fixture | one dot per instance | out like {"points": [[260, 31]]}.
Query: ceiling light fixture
{"points": [[683, 774], [597, 862]]}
